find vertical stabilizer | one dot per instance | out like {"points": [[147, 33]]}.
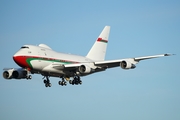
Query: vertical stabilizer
{"points": [[98, 50]]}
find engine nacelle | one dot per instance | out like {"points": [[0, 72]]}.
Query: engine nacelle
{"points": [[19, 74], [127, 65], [84, 69], [8, 74], [15, 73]]}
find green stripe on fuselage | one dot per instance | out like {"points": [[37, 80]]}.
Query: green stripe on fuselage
{"points": [[28, 60]]}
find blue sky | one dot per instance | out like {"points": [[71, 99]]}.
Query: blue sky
{"points": [[138, 28]]}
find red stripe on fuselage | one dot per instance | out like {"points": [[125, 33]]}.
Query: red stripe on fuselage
{"points": [[21, 61]]}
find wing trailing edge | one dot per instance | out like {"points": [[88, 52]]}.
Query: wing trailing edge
{"points": [[116, 63]]}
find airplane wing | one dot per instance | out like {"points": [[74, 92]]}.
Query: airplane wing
{"points": [[126, 63]]}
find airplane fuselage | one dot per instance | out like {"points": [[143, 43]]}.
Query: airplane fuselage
{"points": [[40, 58]]}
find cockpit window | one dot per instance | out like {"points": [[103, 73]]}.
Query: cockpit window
{"points": [[24, 47]]}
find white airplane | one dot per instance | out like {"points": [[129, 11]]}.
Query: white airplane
{"points": [[43, 60]]}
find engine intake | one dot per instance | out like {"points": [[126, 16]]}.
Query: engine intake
{"points": [[84, 69], [7, 74], [127, 65]]}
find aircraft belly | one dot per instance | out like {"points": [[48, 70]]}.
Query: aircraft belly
{"points": [[39, 64], [50, 69]]}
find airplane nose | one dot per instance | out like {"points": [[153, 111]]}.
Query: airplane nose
{"points": [[17, 59], [20, 60], [14, 58]]}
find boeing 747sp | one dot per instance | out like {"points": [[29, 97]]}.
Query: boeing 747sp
{"points": [[43, 60]]}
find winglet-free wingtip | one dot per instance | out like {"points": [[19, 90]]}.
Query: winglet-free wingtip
{"points": [[168, 54]]}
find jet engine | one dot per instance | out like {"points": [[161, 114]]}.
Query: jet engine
{"points": [[15, 73], [84, 69], [127, 65], [8, 74]]}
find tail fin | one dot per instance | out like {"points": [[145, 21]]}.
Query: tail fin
{"points": [[98, 50]]}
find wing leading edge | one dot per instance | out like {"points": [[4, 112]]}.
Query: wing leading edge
{"points": [[109, 63]]}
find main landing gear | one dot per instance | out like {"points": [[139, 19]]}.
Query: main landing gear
{"points": [[63, 82], [47, 82], [76, 81]]}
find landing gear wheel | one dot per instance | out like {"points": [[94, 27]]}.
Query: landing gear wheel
{"points": [[62, 83], [49, 84], [80, 82], [70, 81], [28, 77], [73, 82], [59, 82], [46, 85], [45, 81]]}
